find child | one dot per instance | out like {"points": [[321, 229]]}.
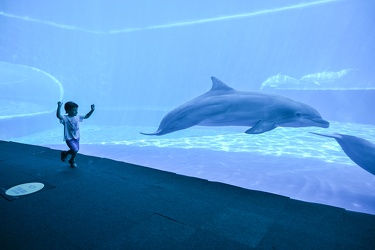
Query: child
{"points": [[71, 129]]}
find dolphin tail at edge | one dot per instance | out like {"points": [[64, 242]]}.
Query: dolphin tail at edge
{"points": [[155, 133]]}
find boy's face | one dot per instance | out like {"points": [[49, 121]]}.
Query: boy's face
{"points": [[73, 111]]}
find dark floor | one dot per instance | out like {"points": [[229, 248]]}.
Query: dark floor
{"points": [[104, 204]]}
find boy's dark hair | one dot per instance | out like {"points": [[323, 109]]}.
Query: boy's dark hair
{"points": [[69, 105]]}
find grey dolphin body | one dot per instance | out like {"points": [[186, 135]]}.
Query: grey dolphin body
{"points": [[224, 106], [359, 150], [280, 81], [325, 77]]}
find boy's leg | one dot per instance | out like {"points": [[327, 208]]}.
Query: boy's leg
{"points": [[64, 155], [74, 148]]}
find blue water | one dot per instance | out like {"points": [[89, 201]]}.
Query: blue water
{"points": [[285, 161], [138, 60]]}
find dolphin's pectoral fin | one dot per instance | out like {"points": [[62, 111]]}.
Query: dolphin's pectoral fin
{"points": [[261, 127]]}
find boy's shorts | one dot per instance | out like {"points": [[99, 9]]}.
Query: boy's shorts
{"points": [[73, 144]]}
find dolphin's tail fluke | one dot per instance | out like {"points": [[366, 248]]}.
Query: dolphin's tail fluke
{"points": [[155, 133]]}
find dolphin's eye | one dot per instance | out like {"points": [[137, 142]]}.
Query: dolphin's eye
{"points": [[298, 114]]}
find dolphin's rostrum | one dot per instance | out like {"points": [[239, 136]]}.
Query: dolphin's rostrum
{"points": [[225, 106]]}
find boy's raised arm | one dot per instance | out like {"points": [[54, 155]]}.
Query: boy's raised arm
{"points": [[91, 111], [58, 114]]}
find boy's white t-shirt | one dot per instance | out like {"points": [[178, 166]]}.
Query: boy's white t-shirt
{"points": [[71, 126]]}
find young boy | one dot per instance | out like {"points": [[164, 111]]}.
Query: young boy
{"points": [[71, 129]]}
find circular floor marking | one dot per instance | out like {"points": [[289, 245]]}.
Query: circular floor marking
{"points": [[24, 189]]}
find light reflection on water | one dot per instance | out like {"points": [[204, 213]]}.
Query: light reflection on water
{"points": [[294, 142], [285, 161]]}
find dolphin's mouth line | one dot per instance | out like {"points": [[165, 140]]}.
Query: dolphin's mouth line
{"points": [[316, 121], [321, 121]]}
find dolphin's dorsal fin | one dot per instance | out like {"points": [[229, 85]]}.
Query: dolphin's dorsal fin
{"points": [[219, 85]]}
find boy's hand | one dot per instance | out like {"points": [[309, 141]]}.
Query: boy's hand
{"points": [[91, 111], [58, 115]]}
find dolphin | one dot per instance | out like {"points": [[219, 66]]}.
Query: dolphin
{"points": [[280, 81], [225, 106], [325, 77], [359, 150]]}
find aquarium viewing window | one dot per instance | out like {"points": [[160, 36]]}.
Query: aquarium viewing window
{"points": [[140, 62]]}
